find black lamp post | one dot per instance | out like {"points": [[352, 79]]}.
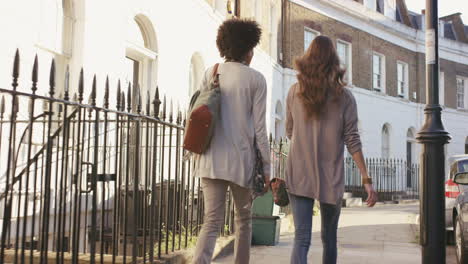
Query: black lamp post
{"points": [[433, 137]]}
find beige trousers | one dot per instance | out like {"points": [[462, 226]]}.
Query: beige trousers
{"points": [[214, 193]]}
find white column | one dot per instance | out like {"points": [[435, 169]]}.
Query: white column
{"points": [[390, 9], [371, 4]]}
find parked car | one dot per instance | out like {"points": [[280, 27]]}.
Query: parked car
{"points": [[458, 163], [460, 221]]}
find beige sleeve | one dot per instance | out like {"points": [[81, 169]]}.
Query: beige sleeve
{"points": [[352, 138], [289, 117], [259, 117]]}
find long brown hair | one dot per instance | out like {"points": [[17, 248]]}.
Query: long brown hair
{"points": [[319, 75]]}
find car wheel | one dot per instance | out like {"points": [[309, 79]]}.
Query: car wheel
{"points": [[462, 253]]}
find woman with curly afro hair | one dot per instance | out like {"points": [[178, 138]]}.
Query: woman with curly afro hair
{"points": [[230, 159]]}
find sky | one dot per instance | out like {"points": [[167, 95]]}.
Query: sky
{"points": [[446, 7]]}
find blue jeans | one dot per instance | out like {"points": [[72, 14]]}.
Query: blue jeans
{"points": [[302, 209]]}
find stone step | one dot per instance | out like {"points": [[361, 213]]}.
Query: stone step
{"points": [[352, 202], [347, 195]]}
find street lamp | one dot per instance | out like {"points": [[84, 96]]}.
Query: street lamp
{"points": [[433, 137]]}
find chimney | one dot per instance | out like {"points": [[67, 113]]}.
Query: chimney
{"points": [[390, 9], [371, 4]]}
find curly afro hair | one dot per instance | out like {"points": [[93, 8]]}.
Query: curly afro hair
{"points": [[236, 37]]}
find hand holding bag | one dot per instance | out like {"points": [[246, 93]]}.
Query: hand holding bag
{"points": [[258, 173], [280, 193]]}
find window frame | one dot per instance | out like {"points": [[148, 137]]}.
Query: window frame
{"points": [[313, 31], [405, 92], [464, 95], [382, 87], [349, 69], [386, 142]]}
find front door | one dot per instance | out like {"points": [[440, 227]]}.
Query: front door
{"points": [[409, 155]]}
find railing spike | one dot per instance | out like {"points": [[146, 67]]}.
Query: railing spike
{"points": [[93, 92], [106, 94], [52, 79], [148, 103], [75, 97], [138, 97], [156, 103], [164, 109], [118, 96], [35, 74], [16, 65], [171, 111], [81, 86], [179, 117], [122, 104], [184, 122], [66, 96], [129, 97], [2, 106]]}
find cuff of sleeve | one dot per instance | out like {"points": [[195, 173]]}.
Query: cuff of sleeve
{"points": [[354, 149]]}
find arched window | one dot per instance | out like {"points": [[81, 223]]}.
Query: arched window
{"points": [[197, 70], [278, 120], [141, 57], [386, 141], [56, 21]]}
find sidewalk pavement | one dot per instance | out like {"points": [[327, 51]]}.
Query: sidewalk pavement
{"points": [[383, 234]]}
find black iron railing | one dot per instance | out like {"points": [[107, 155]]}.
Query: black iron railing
{"points": [[80, 180], [394, 179]]}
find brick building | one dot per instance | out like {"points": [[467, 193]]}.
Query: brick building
{"points": [[381, 44], [171, 44]]}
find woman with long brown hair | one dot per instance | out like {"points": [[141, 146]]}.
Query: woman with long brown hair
{"points": [[321, 119]]}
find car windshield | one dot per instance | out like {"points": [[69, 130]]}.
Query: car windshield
{"points": [[463, 166]]}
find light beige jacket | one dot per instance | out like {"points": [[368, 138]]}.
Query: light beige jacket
{"points": [[231, 156]]}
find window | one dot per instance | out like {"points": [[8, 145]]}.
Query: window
{"points": [[380, 6], [386, 141], [55, 35], [460, 93], [402, 82], [309, 36], [141, 57], [344, 52], [378, 71]]}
